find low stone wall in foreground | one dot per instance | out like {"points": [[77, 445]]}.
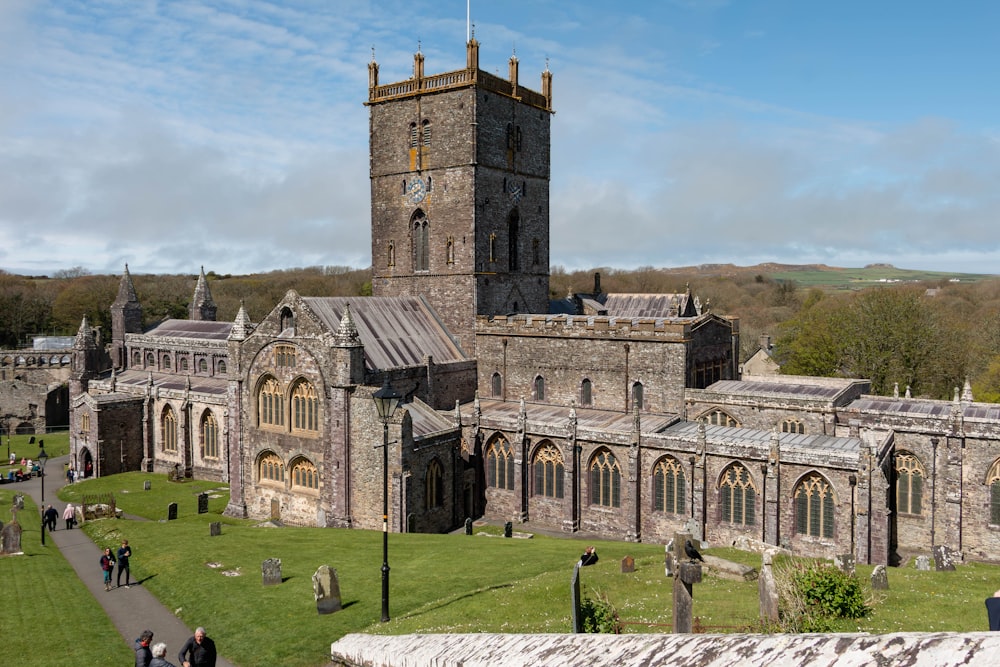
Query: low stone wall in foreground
{"points": [[913, 649]]}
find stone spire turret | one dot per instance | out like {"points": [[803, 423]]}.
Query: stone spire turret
{"points": [[202, 307], [242, 326], [126, 318]]}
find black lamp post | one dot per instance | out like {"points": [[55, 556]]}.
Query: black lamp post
{"points": [[42, 460], [386, 399]]}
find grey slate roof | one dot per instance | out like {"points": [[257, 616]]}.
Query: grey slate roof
{"points": [[926, 408], [397, 332], [557, 415], [427, 421], [802, 442], [790, 389], [137, 380], [646, 305]]}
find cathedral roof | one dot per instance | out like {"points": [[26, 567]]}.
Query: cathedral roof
{"points": [[397, 332], [542, 415], [806, 444], [790, 386], [137, 381], [203, 329]]}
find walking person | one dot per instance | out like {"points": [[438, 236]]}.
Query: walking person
{"points": [[51, 516], [198, 651], [143, 655], [69, 515], [160, 656], [124, 552], [108, 565]]}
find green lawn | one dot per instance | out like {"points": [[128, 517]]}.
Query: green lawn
{"points": [[439, 583]]}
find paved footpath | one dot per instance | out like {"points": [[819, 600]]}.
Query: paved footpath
{"points": [[132, 609]]}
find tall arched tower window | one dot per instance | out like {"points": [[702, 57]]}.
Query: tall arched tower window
{"points": [[168, 426], [513, 239], [637, 395], [539, 388], [434, 485], [421, 243], [210, 435], [586, 392], [496, 385]]}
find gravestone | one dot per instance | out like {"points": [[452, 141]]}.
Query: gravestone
{"points": [[275, 509], [844, 563], [202, 503], [508, 529], [147, 485], [628, 564], [215, 529], [18, 501], [923, 563], [880, 578], [668, 559], [171, 511], [767, 588], [944, 560], [326, 590], [468, 526], [575, 595], [270, 569], [10, 538]]}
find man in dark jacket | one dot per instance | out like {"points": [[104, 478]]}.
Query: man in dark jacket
{"points": [[143, 656], [198, 651], [51, 515]]}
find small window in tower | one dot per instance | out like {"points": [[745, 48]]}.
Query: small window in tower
{"points": [[517, 139], [404, 186], [510, 136], [427, 132], [534, 252], [493, 245], [413, 135], [450, 250], [390, 253], [430, 184]]}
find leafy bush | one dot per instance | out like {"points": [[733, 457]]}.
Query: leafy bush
{"points": [[830, 592], [599, 615]]}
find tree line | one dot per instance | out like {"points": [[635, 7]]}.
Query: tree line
{"points": [[928, 336]]}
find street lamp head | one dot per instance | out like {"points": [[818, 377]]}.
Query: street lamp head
{"points": [[42, 458], [386, 399]]}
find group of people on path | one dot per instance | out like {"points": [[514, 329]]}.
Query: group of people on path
{"points": [[198, 651], [108, 561]]}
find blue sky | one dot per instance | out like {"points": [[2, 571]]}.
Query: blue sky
{"points": [[232, 133]]}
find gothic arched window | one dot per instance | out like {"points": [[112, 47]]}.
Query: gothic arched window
{"points": [[434, 485], [305, 475], [605, 480], [500, 465], [270, 404], [421, 243], [496, 385], [586, 392], [271, 468], [210, 436], [539, 388], [737, 496], [305, 407], [814, 507], [910, 478], [548, 467], [168, 427], [668, 486]]}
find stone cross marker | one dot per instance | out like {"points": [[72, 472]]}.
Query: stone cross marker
{"points": [[270, 569], [686, 574], [202, 503], [171, 511], [10, 538], [628, 564], [880, 579], [767, 588], [326, 590], [215, 529]]}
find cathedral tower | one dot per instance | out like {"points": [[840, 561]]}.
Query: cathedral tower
{"points": [[126, 318], [460, 191]]}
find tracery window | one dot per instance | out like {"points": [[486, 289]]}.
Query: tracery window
{"points": [[305, 407], [284, 356], [792, 426], [605, 480], [421, 243], [718, 418], [271, 468], [548, 466], [168, 427], [669, 486], [210, 436], [737, 496], [910, 478], [434, 485], [305, 475], [993, 481], [500, 465], [270, 404], [814, 507]]}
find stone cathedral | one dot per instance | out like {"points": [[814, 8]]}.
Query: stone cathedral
{"points": [[619, 415]]}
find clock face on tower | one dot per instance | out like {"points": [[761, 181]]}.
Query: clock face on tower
{"points": [[416, 191], [515, 191]]}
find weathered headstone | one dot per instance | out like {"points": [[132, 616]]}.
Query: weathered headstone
{"points": [[215, 529], [468, 526], [628, 564], [275, 509], [326, 590], [270, 569], [880, 578], [202, 503], [944, 560], [668, 559], [18, 501], [575, 594], [10, 538], [508, 529], [923, 563], [845, 563], [767, 588], [171, 511], [147, 485]]}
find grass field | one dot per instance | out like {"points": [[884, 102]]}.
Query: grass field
{"points": [[827, 277], [439, 583]]}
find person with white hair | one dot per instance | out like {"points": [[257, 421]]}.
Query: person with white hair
{"points": [[160, 656], [198, 651]]}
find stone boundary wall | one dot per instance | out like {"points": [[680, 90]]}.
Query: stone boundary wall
{"points": [[916, 649]]}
